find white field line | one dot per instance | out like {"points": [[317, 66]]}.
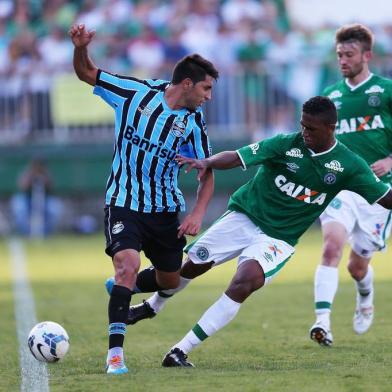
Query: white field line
{"points": [[34, 373]]}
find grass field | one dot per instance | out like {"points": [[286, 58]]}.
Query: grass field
{"points": [[266, 348]]}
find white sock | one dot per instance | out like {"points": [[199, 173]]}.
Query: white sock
{"points": [[365, 289], [215, 318], [325, 287], [157, 301], [115, 351]]}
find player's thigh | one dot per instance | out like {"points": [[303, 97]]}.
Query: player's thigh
{"points": [[223, 240], [162, 246]]}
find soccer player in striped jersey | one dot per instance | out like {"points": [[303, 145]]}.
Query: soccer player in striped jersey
{"points": [[154, 121], [364, 105]]}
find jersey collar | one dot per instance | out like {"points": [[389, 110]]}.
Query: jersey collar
{"points": [[316, 154], [353, 88]]}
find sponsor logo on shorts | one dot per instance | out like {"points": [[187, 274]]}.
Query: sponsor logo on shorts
{"points": [[202, 253], [254, 147], [295, 153], [365, 252], [378, 229], [330, 178], [336, 203], [275, 250], [335, 166], [268, 257], [117, 228]]}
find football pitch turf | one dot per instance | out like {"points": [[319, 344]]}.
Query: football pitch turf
{"points": [[266, 348]]}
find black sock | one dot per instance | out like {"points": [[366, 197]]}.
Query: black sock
{"points": [[146, 281], [120, 299]]}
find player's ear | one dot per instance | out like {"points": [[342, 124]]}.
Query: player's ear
{"points": [[187, 84]]}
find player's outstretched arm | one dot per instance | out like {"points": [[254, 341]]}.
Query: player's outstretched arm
{"points": [[221, 161], [386, 201], [85, 69]]}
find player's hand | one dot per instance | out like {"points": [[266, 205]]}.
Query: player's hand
{"points": [[191, 163], [382, 166], [80, 36], [191, 225]]}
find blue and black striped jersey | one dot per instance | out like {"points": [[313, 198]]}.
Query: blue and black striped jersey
{"points": [[148, 136]]}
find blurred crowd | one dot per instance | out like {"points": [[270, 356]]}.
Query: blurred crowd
{"points": [[149, 36], [146, 37]]}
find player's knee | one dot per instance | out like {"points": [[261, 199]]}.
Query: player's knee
{"points": [[242, 289], [168, 283], [332, 253], [191, 270], [357, 271], [125, 266]]}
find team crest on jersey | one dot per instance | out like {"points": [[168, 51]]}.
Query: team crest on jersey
{"points": [[178, 128], [293, 167], [330, 178], [335, 94], [374, 101], [374, 89], [335, 166], [117, 228], [202, 253], [295, 153]]}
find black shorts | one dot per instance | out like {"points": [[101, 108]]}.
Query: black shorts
{"points": [[154, 233]]}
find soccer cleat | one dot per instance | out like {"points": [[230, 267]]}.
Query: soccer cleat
{"points": [[109, 284], [140, 312], [363, 319], [321, 335], [176, 358], [116, 365]]}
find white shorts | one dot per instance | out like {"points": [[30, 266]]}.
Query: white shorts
{"points": [[234, 234], [368, 226]]}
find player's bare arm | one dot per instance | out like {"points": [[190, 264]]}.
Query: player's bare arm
{"points": [[221, 161], [192, 223], [85, 69], [382, 166], [386, 201]]}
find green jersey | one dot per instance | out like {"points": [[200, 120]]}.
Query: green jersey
{"points": [[364, 117], [293, 185]]}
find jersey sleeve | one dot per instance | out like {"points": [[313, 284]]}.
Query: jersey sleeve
{"points": [[364, 182], [258, 153], [114, 89], [198, 144]]}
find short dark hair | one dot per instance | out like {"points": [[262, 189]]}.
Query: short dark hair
{"points": [[322, 107], [355, 32], [194, 67]]}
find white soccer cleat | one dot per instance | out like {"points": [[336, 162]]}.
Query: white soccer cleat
{"points": [[321, 335], [363, 319]]}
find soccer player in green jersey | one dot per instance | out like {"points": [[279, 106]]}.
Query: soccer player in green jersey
{"points": [[299, 174], [364, 106]]}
